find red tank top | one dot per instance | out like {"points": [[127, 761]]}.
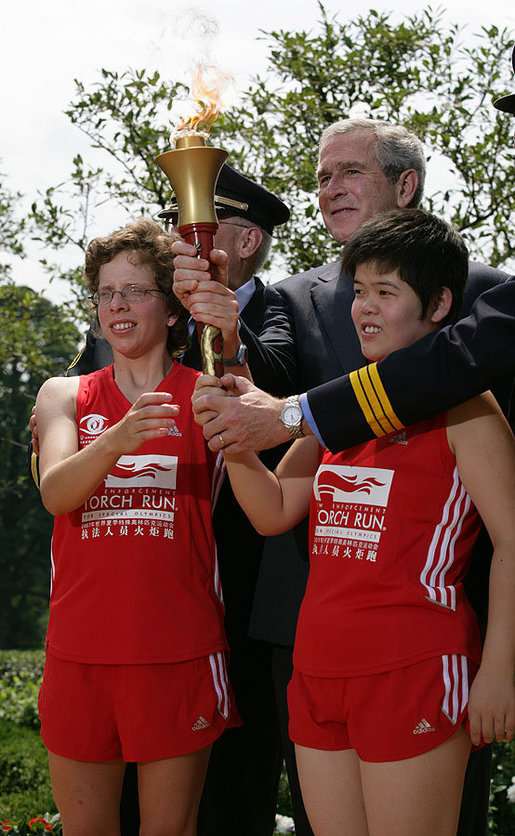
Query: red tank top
{"points": [[134, 572], [391, 531]]}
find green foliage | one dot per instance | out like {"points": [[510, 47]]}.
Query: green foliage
{"points": [[284, 799], [11, 227], [416, 73], [25, 788], [502, 810], [20, 677], [20, 704], [21, 666], [24, 780], [37, 340], [125, 118], [36, 824]]}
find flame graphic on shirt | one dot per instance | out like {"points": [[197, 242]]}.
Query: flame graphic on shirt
{"points": [[144, 471], [334, 482], [131, 471]]}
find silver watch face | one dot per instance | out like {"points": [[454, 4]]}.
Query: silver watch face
{"points": [[291, 415]]}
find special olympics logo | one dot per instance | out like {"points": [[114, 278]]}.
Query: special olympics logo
{"points": [[93, 424]]}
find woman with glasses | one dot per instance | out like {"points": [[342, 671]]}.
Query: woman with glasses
{"points": [[135, 666]]}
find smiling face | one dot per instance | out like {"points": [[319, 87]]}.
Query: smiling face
{"points": [[352, 187], [387, 313], [132, 328]]}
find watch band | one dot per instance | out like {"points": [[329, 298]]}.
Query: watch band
{"points": [[239, 359], [296, 432], [294, 427]]}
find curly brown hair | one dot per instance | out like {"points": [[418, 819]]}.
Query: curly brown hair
{"points": [[151, 246]]}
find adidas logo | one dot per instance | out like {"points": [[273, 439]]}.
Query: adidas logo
{"points": [[174, 431], [399, 438], [423, 727], [200, 724]]}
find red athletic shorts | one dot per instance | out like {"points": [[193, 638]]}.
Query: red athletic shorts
{"points": [[383, 717], [134, 712]]}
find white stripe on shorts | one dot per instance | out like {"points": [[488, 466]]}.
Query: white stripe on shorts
{"points": [[456, 684], [219, 671]]}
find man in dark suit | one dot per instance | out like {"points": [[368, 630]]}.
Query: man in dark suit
{"points": [[429, 377], [365, 167], [241, 787]]}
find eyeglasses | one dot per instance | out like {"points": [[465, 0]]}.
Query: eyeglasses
{"points": [[130, 293]]}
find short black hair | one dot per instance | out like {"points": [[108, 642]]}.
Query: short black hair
{"points": [[426, 252]]}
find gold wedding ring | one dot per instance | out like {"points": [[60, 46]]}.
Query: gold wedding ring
{"points": [[222, 443]]}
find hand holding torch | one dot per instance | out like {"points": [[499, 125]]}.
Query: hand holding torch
{"points": [[192, 169]]}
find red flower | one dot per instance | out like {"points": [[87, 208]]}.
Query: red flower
{"points": [[48, 826]]}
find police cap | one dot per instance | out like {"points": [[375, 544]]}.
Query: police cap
{"points": [[236, 194]]}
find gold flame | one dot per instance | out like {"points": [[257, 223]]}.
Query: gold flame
{"points": [[207, 86]]}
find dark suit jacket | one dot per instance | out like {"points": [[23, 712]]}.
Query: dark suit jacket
{"points": [[309, 338], [239, 546]]}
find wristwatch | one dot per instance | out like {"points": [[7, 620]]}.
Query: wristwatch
{"points": [[239, 359], [291, 416]]}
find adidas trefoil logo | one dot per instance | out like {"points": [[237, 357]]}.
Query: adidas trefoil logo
{"points": [[200, 724], [423, 727]]}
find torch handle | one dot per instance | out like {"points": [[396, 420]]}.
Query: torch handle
{"points": [[201, 235]]}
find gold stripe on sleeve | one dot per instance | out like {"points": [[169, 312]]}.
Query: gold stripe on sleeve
{"points": [[362, 400], [373, 401], [383, 397]]}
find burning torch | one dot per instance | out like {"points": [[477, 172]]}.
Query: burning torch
{"points": [[192, 169]]}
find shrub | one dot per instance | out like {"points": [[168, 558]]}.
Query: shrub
{"points": [[502, 808], [21, 666], [25, 789]]}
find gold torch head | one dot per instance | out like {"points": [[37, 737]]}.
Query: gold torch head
{"points": [[192, 169]]}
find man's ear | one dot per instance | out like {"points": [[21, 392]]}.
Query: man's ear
{"points": [[440, 305], [250, 241], [407, 185]]}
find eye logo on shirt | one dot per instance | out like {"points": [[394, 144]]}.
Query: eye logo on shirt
{"points": [[93, 424]]}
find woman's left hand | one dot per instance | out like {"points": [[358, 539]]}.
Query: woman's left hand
{"points": [[491, 708]]}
